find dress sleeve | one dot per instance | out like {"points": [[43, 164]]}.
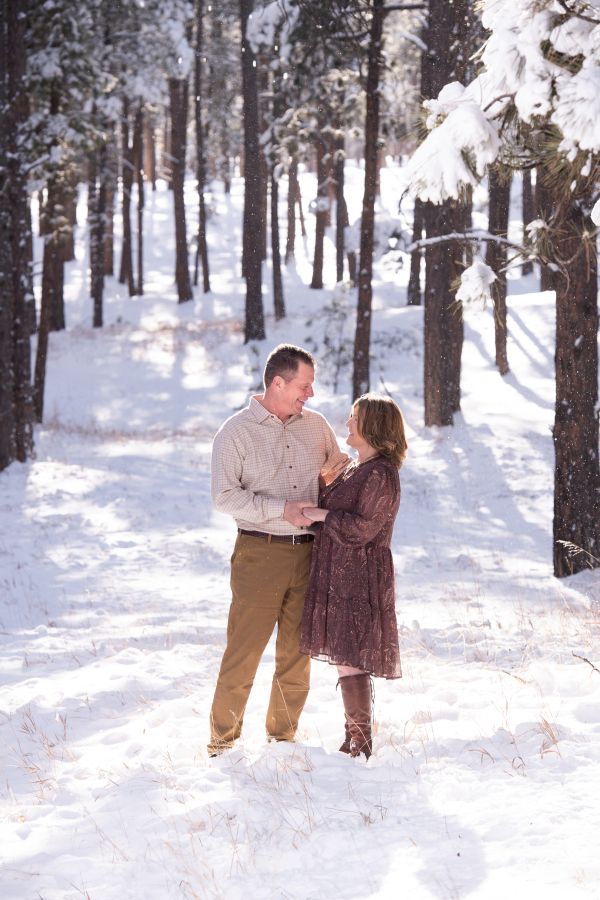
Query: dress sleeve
{"points": [[375, 507]]}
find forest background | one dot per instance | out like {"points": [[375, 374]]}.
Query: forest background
{"points": [[103, 104]]}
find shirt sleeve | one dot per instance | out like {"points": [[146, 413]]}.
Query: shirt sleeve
{"points": [[228, 494], [376, 505]]}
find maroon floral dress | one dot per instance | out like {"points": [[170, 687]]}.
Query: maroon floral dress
{"points": [[349, 612]]}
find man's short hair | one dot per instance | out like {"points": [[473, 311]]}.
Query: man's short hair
{"points": [[284, 361]]}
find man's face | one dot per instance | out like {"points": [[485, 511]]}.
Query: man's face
{"points": [[293, 394]]}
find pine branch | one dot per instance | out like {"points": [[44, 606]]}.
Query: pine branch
{"points": [[578, 15]]}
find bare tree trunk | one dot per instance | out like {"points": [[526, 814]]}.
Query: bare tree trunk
{"points": [[291, 209], [263, 92], [252, 240], [362, 339], [138, 162], [575, 433], [443, 315], [341, 210], [413, 293], [202, 250], [447, 40], [53, 256], [126, 270], [528, 215], [150, 152], [544, 202], [166, 159], [499, 179], [278, 300], [112, 178], [16, 401], [96, 212], [300, 210], [320, 213], [178, 95], [52, 223], [39, 382], [70, 204]]}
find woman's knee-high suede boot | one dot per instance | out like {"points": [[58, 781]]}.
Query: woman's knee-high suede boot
{"points": [[357, 697]]}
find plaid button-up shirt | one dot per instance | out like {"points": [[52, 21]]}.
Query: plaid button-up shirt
{"points": [[259, 462]]}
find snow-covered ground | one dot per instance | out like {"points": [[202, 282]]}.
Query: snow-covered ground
{"points": [[114, 594]]}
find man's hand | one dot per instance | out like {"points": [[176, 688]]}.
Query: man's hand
{"points": [[292, 512]]}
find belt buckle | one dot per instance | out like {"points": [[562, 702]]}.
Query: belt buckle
{"points": [[295, 539]]}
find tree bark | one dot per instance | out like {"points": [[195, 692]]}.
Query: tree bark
{"points": [[150, 152], [300, 210], [178, 91], [53, 255], [575, 433], [291, 209], [202, 250], [16, 400], [39, 381], [443, 324], [252, 238], [362, 339], [413, 293], [278, 299], [447, 40], [320, 213], [96, 219], [126, 270], [138, 167], [499, 179], [341, 210], [263, 92], [70, 204], [544, 201], [528, 215]]}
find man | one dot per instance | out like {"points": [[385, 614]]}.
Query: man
{"points": [[266, 464]]}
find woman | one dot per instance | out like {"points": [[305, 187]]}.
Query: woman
{"points": [[349, 612]]}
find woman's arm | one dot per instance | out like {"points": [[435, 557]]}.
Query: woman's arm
{"points": [[314, 513], [376, 506]]}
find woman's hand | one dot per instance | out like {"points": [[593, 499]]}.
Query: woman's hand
{"points": [[314, 514]]}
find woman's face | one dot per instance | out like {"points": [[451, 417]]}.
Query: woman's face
{"points": [[355, 439]]}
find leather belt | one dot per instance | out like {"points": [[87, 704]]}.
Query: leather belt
{"points": [[279, 538]]}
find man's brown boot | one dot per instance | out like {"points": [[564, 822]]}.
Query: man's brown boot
{"points": [[357, 697]]}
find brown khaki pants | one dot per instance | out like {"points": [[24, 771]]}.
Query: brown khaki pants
{"points": [[268, 583]]}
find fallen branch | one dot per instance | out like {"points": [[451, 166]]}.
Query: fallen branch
{"points": [[584, 659]]}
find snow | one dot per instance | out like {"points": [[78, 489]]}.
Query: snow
{"points": [[461, 143], [475, 283], [114, 596], [544, 58]]}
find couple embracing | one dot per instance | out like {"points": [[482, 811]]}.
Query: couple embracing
{"points": [[312, 554]]}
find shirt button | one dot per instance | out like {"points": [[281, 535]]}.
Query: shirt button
{"points": [[294, 487]]}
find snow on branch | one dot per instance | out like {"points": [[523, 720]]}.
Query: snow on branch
{"points": [[476, 283], [462, 142], [270, 26], [543, 60]]}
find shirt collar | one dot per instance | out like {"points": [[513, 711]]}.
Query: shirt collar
{"points": [[261, 414]]}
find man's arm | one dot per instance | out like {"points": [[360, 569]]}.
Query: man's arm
{"points": [[229, 496], [336, 461], [226, 484]]}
